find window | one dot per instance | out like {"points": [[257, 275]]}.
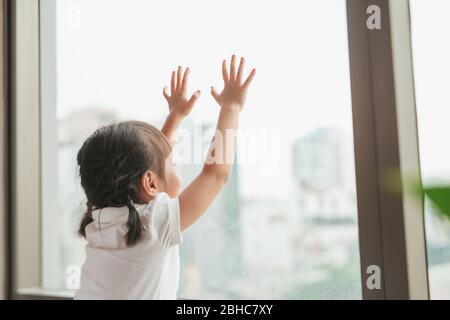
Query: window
{"points": [[431, 66], [285, 225]]}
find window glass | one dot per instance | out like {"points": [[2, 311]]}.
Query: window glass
{"points": [[285, 225], [430, 30]]}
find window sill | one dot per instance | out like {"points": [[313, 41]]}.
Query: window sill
{"points": [[37, 293]]}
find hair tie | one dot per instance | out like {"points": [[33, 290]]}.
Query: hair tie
{"points": [[130, 203]]}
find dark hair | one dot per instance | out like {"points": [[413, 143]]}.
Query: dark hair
{"points": [[111, 163]]}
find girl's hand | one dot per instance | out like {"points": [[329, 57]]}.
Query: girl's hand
{"points": [[234, 93], [179, 105]]}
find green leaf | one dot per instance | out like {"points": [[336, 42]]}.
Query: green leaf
{"points": [[440, 196]]}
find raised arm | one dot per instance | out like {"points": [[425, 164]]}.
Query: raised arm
{"points": [[197, 197], [179, 105]]}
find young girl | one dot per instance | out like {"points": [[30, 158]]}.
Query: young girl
{"points": [[135, 211]]}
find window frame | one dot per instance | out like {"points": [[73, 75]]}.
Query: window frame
{"points": [[25, 141], [5, 249], [384, 120], [391, 226]]}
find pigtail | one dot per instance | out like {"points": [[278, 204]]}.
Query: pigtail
{"points": [[87, 218], [134, 224]]}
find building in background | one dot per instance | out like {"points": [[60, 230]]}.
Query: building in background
{"points": [[325, 212], [323, 170]]}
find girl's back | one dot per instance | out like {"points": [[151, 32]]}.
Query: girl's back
{"points": [[149, 269]]}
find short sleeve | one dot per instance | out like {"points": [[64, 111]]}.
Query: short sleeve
{"points": [[165, 220]]}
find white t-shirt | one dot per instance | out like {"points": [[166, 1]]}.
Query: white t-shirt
{"points": [[148, 270]]}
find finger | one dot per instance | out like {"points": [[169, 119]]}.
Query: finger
{"points": [[226, 77], [179, 76], [215, 94], [185, 81], [233, 68], [240, 71], [166, 94], [194, 98], [249, 79], [173, 84]]}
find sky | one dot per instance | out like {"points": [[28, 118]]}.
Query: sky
{"points": [[431, 52], [119, 54]]}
